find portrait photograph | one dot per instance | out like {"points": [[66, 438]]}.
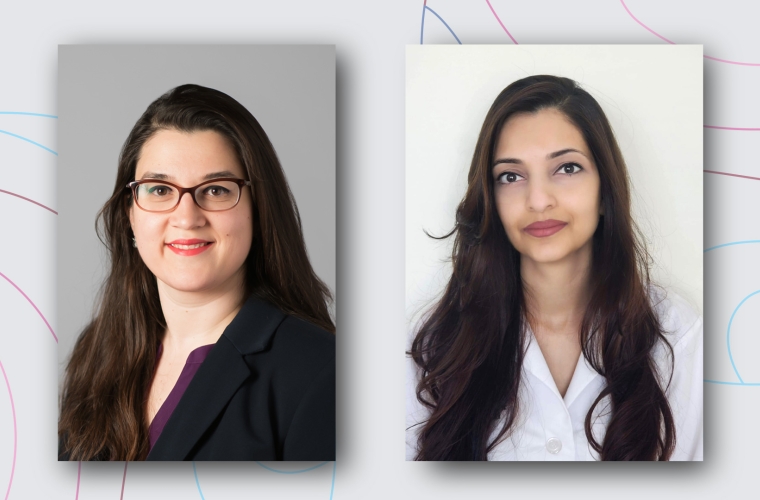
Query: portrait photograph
{"points": [[554, 248], [196, 252]]}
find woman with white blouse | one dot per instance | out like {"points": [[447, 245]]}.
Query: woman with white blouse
{"points": [[549, 342]]}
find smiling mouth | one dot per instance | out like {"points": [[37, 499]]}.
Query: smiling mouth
{"points": [[189, 247]]}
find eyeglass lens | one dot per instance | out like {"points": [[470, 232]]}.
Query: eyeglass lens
{"points": [[159, 197]]}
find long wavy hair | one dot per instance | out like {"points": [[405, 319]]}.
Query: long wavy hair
{"points": [[110, 370], [470, 346]]}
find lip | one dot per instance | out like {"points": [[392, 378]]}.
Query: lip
{"points": [[205, 245], [544, 228]]}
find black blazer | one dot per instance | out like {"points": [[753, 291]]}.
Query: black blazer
{"points": [[266, 391]]}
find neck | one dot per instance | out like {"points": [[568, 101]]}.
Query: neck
{"points": [[194, 319], [557, 293]]}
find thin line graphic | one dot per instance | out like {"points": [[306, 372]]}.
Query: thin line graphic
{"points": [[732, 383], [422, 26], [33, 305], [444, 23], [732, 175], [28, 140], [332, 488], [24, 113], [123, 480], [197, 483], [674, 43], [743, 129], [501, 23], [29, 200], [731, 244], [293, 471], [79, 476], [728, 334], [15, 432]]}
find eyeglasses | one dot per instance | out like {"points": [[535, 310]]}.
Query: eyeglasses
{"points": [[215, 195]]}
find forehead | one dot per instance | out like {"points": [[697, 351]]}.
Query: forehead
{"points": [[541, 132], [187, 156]]}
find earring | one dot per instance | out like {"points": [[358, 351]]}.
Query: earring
{"points": [[134, 242]]}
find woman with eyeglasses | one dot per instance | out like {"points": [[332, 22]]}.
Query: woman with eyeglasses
{"points": [[213, 339], [549, 342]]}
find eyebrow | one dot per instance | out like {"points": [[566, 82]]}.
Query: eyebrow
{"points": [[550, 156], [164, 177]]}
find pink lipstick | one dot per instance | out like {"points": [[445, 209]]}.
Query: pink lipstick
{"points": [[544, 228], [189, 247]]}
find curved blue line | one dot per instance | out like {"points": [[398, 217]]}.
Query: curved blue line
{"points": [[332, 488], [291, 471], [26, 114], [444, 23], [197, 483], [422, 28], [731, 244], [28, 140], [732, 383], [728, 333]]}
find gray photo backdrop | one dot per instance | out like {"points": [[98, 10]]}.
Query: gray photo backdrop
{"points": [[103, 90]]}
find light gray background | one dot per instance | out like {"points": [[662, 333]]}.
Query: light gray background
{"points": [[103, 90]]}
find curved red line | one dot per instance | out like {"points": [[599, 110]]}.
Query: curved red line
{"points": [[733, 128], [79, 476], [15, 434], [33, 304], [501, 23], [29, 200], [123, 480], [674, 43], [731, 175]]}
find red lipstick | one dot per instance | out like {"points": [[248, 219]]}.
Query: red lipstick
{"points": [[189, 247], [544, 228]]}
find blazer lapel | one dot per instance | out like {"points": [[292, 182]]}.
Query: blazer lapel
{"points": [[216, 381]]}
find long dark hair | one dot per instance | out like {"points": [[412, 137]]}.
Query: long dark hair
{"points": [[111, 367], [470, 346]]}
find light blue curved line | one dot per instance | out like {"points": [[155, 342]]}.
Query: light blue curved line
{"points": [[332, 488], [732, 383], [422, 28], [197, 483], [28, 140], [26, 114], [731, 244], [444, 23], [728, 333], [291, 471]]}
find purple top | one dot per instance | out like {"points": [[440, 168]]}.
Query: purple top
{"points": [[194, 360]]}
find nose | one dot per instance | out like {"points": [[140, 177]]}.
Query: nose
{"points": [[540, 196], [187, 215]]}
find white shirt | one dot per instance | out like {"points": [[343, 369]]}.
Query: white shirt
{"points": [[550, 427]]}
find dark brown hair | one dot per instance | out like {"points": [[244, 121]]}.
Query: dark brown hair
{"points": [[470, 346], [111, 367]]}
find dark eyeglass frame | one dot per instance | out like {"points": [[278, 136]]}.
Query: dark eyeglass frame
{"points": [[182, 190]]}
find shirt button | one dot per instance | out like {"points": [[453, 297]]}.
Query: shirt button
{"points": [[553, 445]]}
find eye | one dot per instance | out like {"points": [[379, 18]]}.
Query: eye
{"points": [[508, 178], [159, 190], [215, 191], [569, 169]]}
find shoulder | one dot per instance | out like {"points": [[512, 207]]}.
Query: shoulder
{"points": [[680, 322]]}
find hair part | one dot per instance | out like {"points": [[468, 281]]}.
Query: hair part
{"points": [[470, 346], [111, 367]]}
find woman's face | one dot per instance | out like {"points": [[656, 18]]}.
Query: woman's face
{"points": [[168, 241], [546, 187]]}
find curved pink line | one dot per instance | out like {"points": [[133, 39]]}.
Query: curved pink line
{"points": [[731, 175], [33, 305], [29, 200], [123, 480], [733, 128], [79, 476], [501, 23], [674, 43], [15, 436]]}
